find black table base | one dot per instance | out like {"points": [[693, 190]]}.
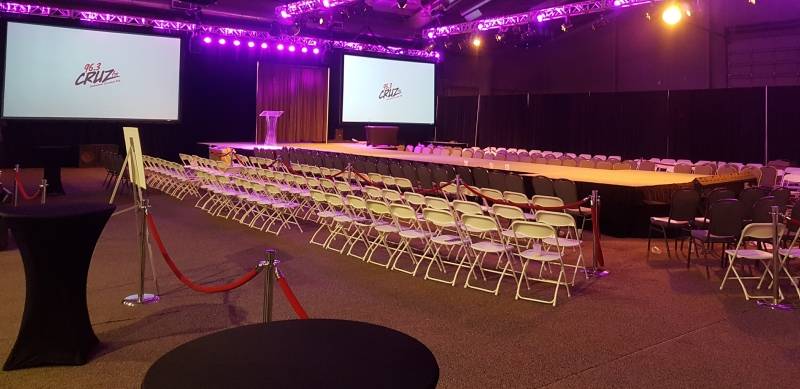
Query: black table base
{"points": [[56, 243]]}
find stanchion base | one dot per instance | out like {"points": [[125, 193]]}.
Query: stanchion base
{"points": [[778, 307], [133, 300], [597, 273]]}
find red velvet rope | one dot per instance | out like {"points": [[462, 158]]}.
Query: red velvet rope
{"points": [[287, 291], [22, 191], [199, 288]]}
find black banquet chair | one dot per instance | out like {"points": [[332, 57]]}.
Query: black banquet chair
{"points": [[543, 186], [466, 175], [481, 177], [497, 180], [567, 191], [425, 176], [682, 211], [725, 220], [515, 183]]}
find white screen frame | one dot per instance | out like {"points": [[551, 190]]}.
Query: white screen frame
{"points": [[181, 61], [406, 60]]}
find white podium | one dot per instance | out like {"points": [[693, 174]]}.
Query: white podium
{"points": [[271, 129]]}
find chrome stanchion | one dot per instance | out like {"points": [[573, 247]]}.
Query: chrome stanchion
{"points": [[16, 185], [269, 284], [141, 298], [776, 300], [43, 188]]}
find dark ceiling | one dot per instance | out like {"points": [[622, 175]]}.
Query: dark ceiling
{"points": [[380, 21]]}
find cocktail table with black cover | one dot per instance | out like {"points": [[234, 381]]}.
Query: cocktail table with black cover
{"points": [[315, 353], [56, 242]]}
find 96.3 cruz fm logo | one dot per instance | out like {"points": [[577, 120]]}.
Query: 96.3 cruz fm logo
{"points": [[389, 92], [94, 75]]}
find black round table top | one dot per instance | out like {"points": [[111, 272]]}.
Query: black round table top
{"points": [[57, 210], [315, 353]]}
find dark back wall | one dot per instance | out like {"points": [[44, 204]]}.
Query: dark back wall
{"points": [[707, 124]]}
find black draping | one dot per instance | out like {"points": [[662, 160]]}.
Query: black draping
{"points": [[504, 121], [784, 123], [717, 124], [455, 120]]}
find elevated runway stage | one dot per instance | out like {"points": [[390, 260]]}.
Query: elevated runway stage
{"points": [[629, 197]]}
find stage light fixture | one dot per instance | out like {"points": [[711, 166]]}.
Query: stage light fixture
{"points": [[207, 40], [292, 48], [280, 46], [499, 37], [751, 2], [617, 3], [264, 45], [315, 51], [285, 14], [326, 3], [237, 42], [304, 50], [222, 41], [402, 4], [672, 15], [477, 41], [251, 44]]}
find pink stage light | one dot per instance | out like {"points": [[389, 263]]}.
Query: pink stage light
{"points": [[285, 14], [251, 44], [292, 48], [315, 51], [326, 3], [280, 46], [617, 3], [237, 42], [207, 40], [222, 41], [264, 45], [304, 50]]}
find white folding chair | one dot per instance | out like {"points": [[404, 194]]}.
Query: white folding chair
{"points": [[529, 238], [742, 254]]}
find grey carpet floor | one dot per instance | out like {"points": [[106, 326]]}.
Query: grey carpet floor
{"points": [[649, 324]]}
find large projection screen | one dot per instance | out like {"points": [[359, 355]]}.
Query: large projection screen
{"points": [[376, 90], [72, 73]]}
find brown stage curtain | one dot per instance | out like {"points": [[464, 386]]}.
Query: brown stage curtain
{"points": [[302, 93]]}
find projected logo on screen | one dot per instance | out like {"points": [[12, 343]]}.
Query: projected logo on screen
{"points": [[389, 93], [93, 75]]}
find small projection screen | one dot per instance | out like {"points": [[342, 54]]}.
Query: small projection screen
{"points": [[73, 73], [376, 90]]}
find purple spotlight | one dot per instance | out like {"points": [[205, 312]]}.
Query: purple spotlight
{"points": [[326, 3], [264, 45], [304, 50], [617, 3], [237, 42], [292, 48], [251, 44], [280, 46], [285, 14], [222, 41], [207, 40], [540, 18], [437, 55], [430, 34], [315, 51]]}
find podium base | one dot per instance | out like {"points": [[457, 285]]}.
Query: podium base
{"points": [[133, 300]]}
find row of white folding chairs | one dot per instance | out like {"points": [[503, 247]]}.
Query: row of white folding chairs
{"points": [[169, 177], [264, 205], [369, 223]]}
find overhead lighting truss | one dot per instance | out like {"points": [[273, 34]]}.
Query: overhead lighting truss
{"points": [[539, 15], [192, 28], [301, 7]]}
